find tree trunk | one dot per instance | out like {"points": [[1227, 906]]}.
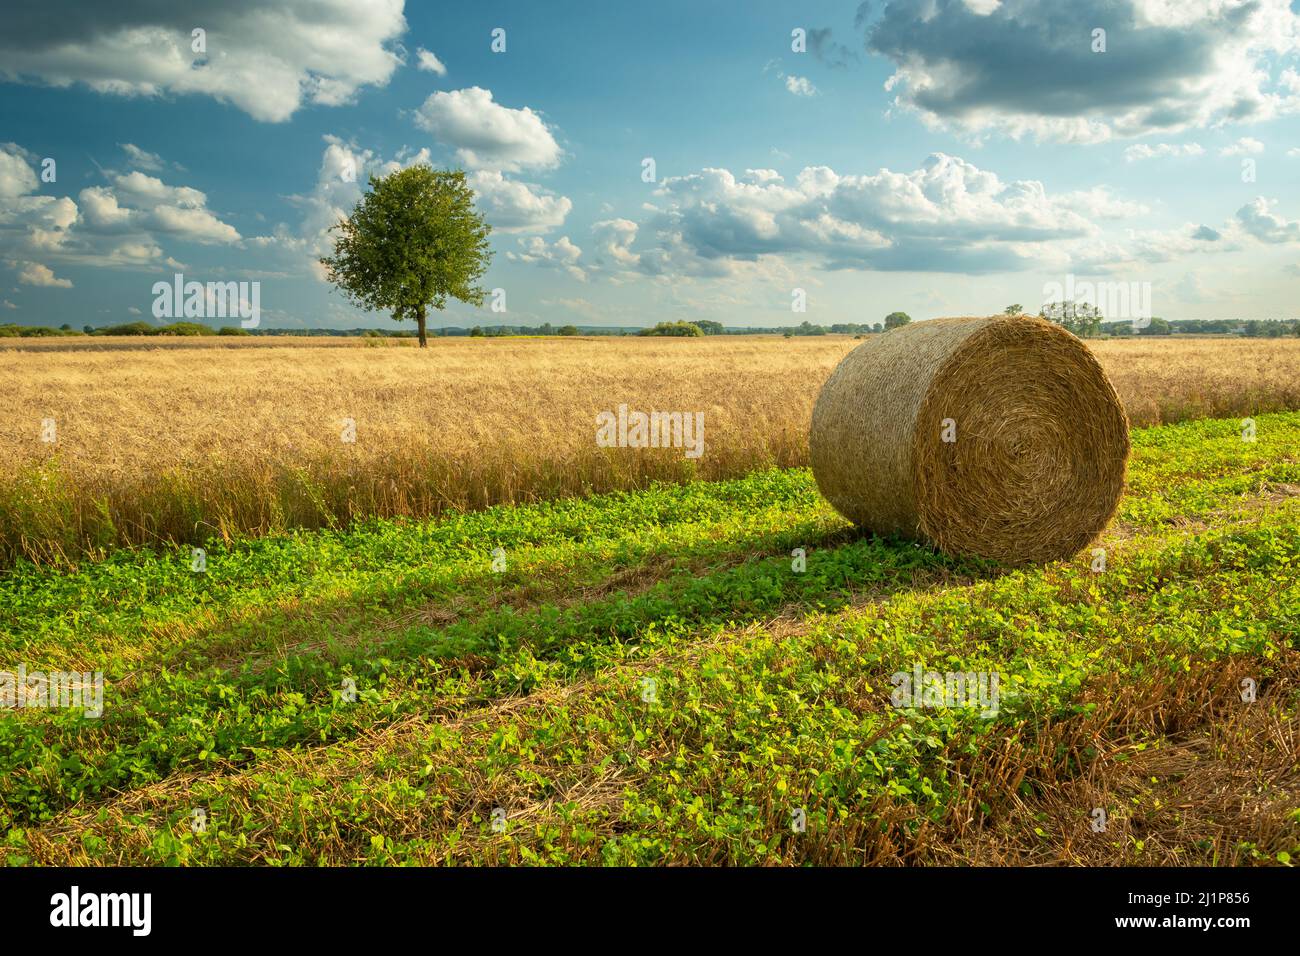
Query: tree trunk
{"points": [[424, 339]]}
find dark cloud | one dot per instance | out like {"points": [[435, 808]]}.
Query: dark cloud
{"points": [[30, 26], [1029, 65], [828, 50], [1259, 220], [266, 58]]}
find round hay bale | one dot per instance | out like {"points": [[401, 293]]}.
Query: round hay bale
{"points": [[999, 437]]}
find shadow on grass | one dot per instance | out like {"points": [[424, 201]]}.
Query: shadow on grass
{"points": [[274, 682], [750, 579]]}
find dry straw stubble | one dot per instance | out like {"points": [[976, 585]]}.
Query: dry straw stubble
{"points": [[168, 442], [998, 437]]}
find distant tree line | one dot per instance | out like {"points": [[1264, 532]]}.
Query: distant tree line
{"points": [[129, 328], [1249, 328], [34, 331], [1084, 320], [1087, 321]]}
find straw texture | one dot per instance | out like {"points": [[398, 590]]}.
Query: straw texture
{"points": [[1037, 447]]}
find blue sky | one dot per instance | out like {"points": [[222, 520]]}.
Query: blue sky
{"points": [[936, 156]]}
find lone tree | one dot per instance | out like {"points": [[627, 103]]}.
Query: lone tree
{"points": [[411, 242], [896, 319]]}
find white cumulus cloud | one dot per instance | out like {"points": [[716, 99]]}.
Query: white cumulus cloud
{"points": [[1246, 146], [487, 135], [511, 206], [34, 273], [947, 216], [266, 59], [561, 254]]}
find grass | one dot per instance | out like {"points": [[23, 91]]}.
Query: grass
{"points": [[525, 689], [177, 445]]}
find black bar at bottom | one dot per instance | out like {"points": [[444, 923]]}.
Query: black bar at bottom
{"points": [[337, 906]]}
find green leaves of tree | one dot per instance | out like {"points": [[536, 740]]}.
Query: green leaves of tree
{"points": [[412, 242]]}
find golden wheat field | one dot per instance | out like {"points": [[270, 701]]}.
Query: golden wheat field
{"points": [[110, 442]]}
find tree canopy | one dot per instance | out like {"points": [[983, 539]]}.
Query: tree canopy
{"points": [[414, 241], [1081, 318], [688, 329]]}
